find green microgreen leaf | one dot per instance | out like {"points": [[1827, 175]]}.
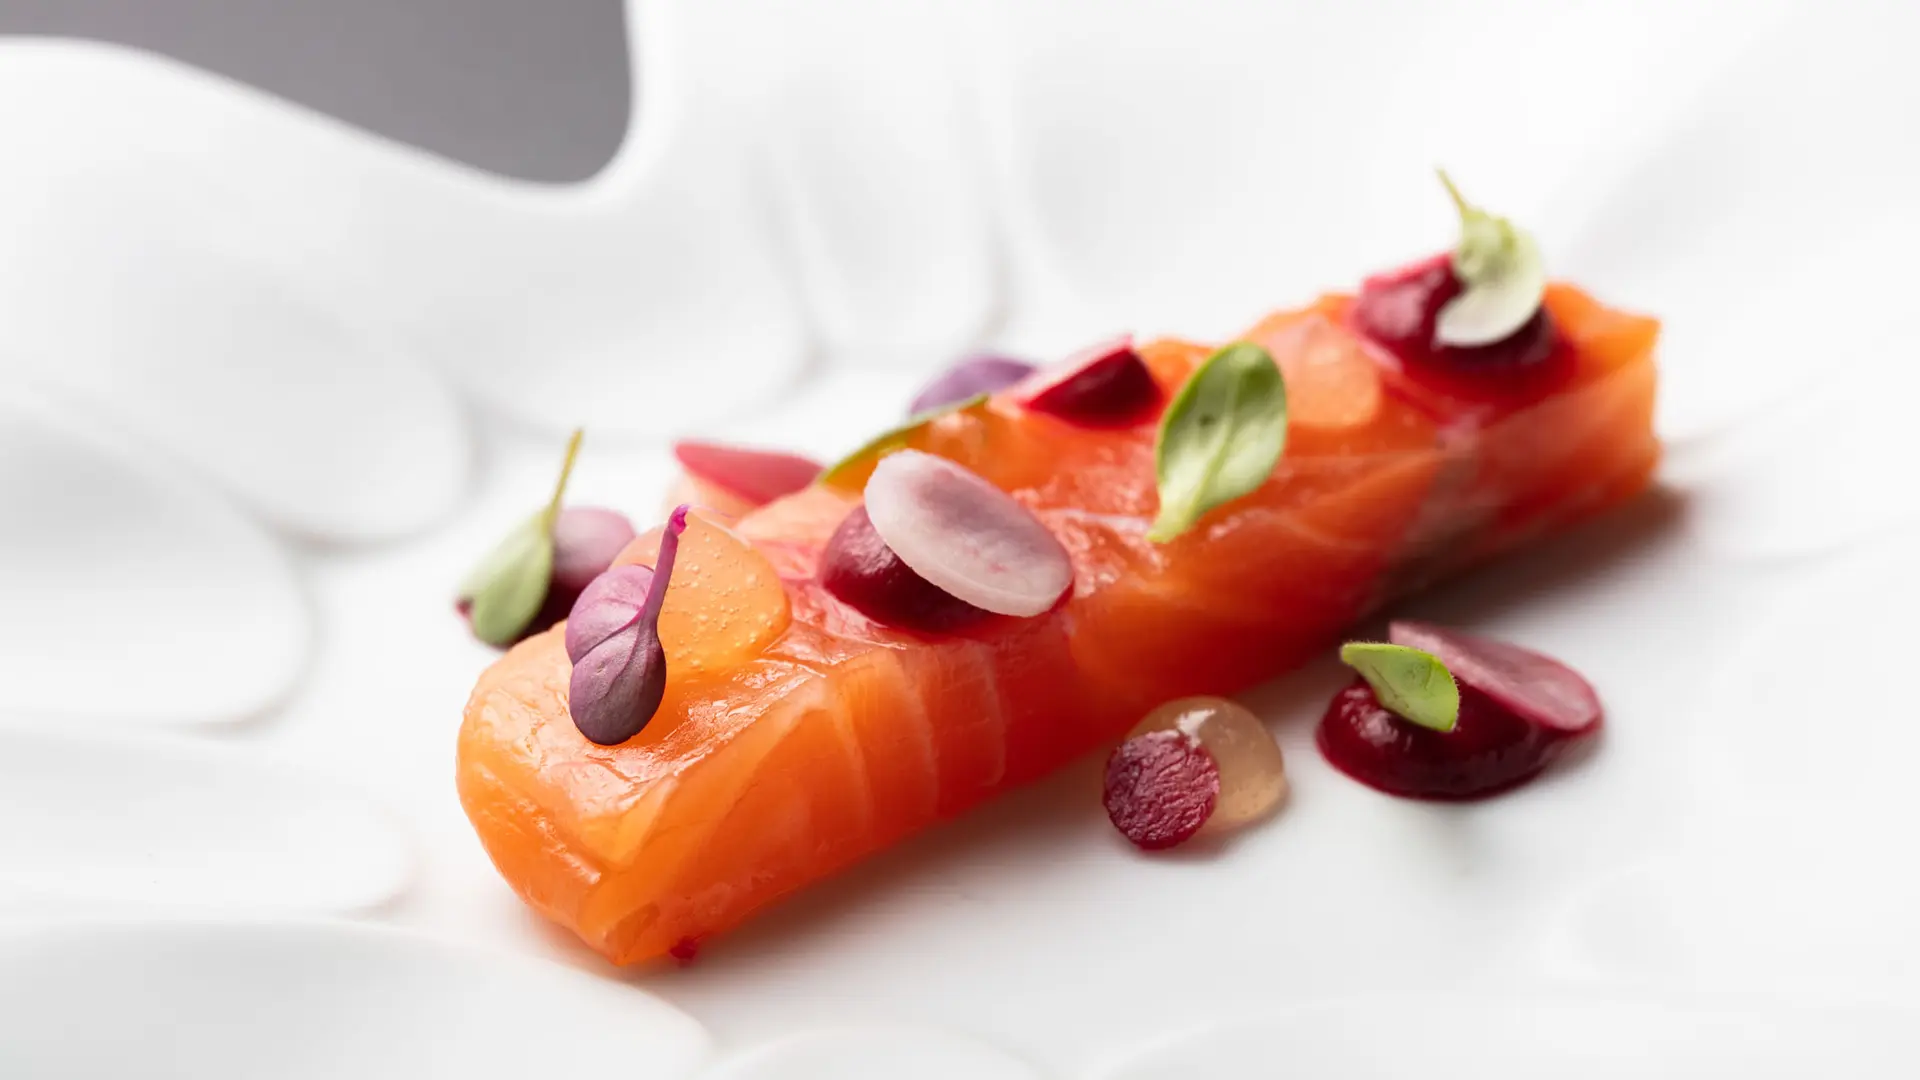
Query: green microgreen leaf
{"points": [[505, 591], [1412, 684], [1504, 275], [1220, 437], [508, 587], [850, 470]]}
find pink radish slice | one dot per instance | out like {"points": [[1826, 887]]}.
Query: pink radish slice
{"points": [[1535, 687], [1107, 383], [975, 375], [966, 536], [756, 476]]}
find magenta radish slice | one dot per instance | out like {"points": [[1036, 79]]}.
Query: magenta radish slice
{"points": [[1535, 687], [966, 536], [1105, 384], [757, 476], [969, 378]]}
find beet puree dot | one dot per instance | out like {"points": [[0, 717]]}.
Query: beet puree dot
{"points": [[1399, 309], [1161, 788], [1489, 749]]}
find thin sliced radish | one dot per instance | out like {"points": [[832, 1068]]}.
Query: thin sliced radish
{"points": [[1107, 383], [966, 536], [968, 378], [1536, 687], [755, 476]]}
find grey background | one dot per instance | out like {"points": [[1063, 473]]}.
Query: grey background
{"points": [[536, 89]]}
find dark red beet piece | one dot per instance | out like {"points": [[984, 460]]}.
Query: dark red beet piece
{"points": [[1398, 310], [1489, 750], [1161, 787], [859, 568], [1107, 385]]}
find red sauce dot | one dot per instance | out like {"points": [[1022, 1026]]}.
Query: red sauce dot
{"points": [[1490, 750], [1160, 788], [1398, 311], [685, 951]]}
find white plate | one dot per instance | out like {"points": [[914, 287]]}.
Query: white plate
{"points": [[319, 1000], [131, 594], [1561, 1036], [137, 822]]}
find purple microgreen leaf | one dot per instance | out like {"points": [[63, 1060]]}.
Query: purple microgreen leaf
{"points": [[613, 638]]}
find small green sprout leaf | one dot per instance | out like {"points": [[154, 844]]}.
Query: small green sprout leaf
{"points": [[1412, 684], [503, 594], [1504, 275], [1220, 437]]}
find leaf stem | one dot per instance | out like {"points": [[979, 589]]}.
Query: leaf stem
{"points": [[1459, 201], [566, 473], [663, 565]]}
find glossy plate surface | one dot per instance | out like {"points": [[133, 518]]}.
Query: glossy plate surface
{"points": [[298, 1000]]}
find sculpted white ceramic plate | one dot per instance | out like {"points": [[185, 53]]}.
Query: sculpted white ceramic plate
{"points": [[313, 1000], [780, 255]]}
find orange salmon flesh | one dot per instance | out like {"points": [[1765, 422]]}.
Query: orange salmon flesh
{"points": [[798, 737]]}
